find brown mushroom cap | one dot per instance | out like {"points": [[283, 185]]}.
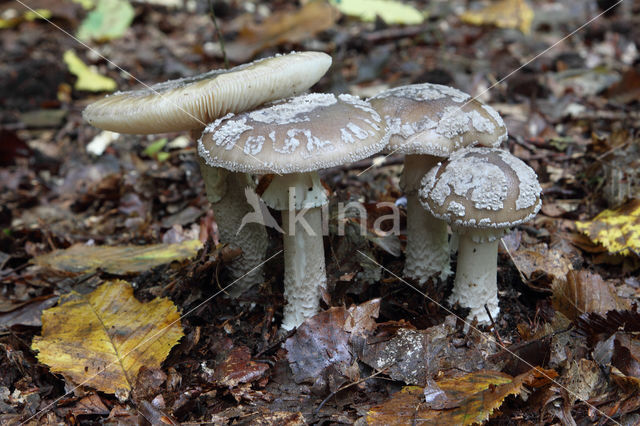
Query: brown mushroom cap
{"points": [[301, 134], [482, 188], [193, 102], [437, 120]]}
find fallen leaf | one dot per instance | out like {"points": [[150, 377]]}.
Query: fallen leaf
{"points": [[539, 261], [319, 352], [117, 260], [87, 405], [87, 79], [391, 12], [617, 230], [412, 356], [238, 368], [582, 379], [597, 327], [585, 291], [110, 19], [27, 313], [476, 395], [626, 355], [281, 27], [503, 14], [102, 339]]}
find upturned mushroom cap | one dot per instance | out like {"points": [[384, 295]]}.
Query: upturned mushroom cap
{"points": [[481, 188], [193, 102], [297, 135], [437, 120]]}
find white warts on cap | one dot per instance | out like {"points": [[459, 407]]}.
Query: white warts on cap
{"points": [[294, 111], [300, 134], [529, 188], [483, 183]]}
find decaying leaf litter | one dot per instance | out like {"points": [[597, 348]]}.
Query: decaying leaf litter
{"points": [[379, 352]]}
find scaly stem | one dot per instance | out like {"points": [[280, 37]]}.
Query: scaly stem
{"points": [[304, 270], [476, 278]]}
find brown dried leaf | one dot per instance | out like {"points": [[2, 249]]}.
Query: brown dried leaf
{"points": [[282, 27], [319, 351], [26, 313], [597, 327], [412, 356], [540, 260], [626, 355], [238, 368], [585, 291]]}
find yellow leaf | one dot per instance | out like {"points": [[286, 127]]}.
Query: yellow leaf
{"points": [[391, 12], [87, 79], [120, 260], [104, 337], [503, 14], [617, 230], [28, 15], [473, 397]]}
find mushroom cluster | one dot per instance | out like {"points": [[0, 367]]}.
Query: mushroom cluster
{"points": [[427, 123], [254, 120]]}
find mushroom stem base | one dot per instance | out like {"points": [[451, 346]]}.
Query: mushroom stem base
{"points": [[305, 277], [476, 278], [251, 237], [427, 253]]}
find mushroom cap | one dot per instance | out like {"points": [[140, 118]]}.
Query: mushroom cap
{"points": [[484, 188], [301, 134], [193, 102], [432, 119]]}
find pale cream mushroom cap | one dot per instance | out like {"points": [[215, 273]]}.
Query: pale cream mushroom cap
{"points": [[482, 188], [297, 135], [432, 119], [193, 102]]}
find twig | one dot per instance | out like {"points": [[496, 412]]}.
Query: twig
{"points": [[493, 325], [219, 34]]}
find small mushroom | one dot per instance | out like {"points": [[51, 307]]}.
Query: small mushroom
{"points": [[481, 193], [193, 102], [427, 122], [294, 139]]}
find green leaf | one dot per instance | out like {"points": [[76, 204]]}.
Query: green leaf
{"points": [[155, 147], [391, 12], [109, 20], [87, 79], [163, 156]]}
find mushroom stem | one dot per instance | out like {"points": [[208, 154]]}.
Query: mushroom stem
{"points": [[226, 192], [427, 251], [476, 277], [304, 270]]}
